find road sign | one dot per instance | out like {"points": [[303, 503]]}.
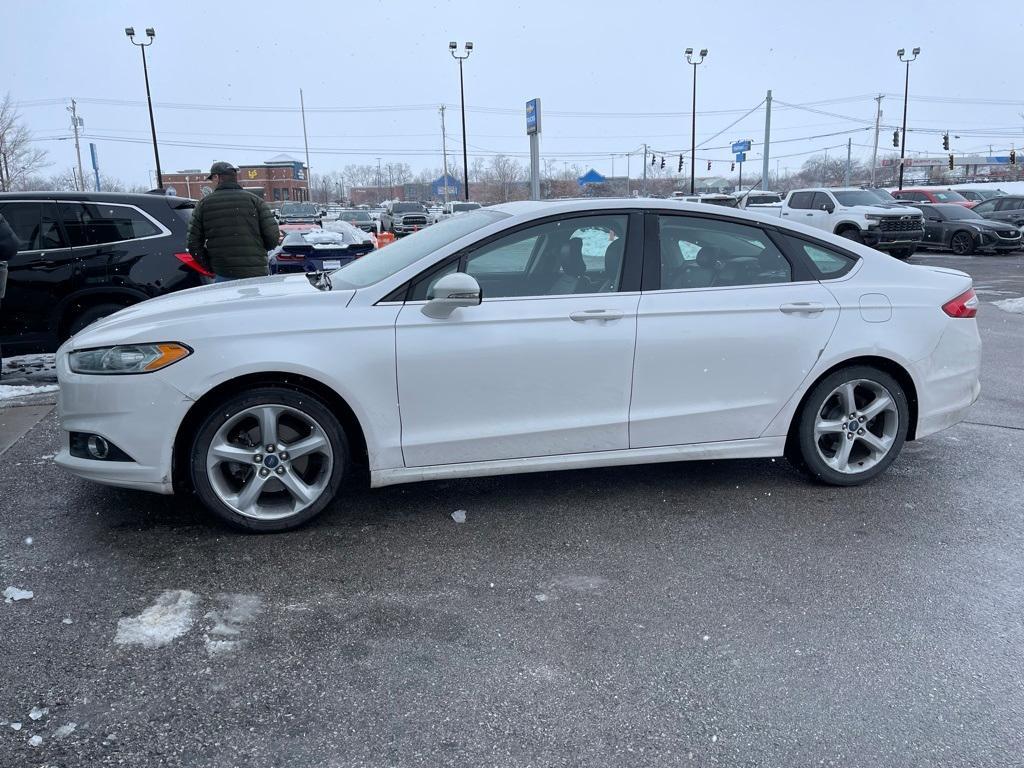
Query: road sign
{"points": [[741, 157], [740, 146], [532, 117]]}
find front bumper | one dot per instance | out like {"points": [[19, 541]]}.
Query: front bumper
{"points": [[138, 413], [884, 240]]}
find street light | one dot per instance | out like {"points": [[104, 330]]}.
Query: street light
{"points": [[693, 116], [453, 48], [906, 86], [150, 33]]}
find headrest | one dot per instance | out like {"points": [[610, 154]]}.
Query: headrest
{"points": [[571, 258]]}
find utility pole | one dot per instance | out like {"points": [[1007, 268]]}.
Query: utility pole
{"points": [[76, 123], [444, 155], [643, 186], [846, 176], [378, 182], [305, 139], [767, 140], [878, 125]]}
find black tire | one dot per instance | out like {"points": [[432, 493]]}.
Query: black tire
{"points": [[902, 253], [962, 243], [90, 315], [304, 402], [802, 448], [852, 233]]}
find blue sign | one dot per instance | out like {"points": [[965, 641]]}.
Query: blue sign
{"points": [[998, 160], [740, 146], [741, 157], [591, 177], [532, 116], [438, 185]]}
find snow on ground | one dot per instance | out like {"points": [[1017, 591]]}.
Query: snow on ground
{"points": [[29, 369], [1011, 305], [234, 613], [17, 392], [1009, 187], [13, 594], [170, 617]]}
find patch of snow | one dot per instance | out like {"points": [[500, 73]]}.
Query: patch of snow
{"points": [[459, 515], [215, 647], [66, 620], [35, 741], [1011, 305], [12, 392], [65, 730], [16, 726], [542, 598], [38, 713], [170, 617], [12, 594], [28, 540], [234, 612]]}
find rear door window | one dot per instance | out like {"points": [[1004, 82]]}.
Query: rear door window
{"points": [[1010, 204], [99, 223], [821, 202], [34, 224], [801, 200]]}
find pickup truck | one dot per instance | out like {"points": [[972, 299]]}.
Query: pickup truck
{"points": [[456, 206], [400, 218], [856, 214], [757, 197]]}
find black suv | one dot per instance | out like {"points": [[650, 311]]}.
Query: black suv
{"points": [[85, 255]]}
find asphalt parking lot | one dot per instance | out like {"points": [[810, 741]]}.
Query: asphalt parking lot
{"points": [[722, 613]]}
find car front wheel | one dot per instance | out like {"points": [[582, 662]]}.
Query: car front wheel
{"points": [[852, 426], [269, 459], [962, 243]]}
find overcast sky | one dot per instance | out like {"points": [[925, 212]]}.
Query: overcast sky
{"points": [[618, 66]]}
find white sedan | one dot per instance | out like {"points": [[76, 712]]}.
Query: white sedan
{"points": [[518, 338]]}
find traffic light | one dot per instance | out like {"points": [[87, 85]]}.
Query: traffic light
{"points": [[680, 164], [654, 160], [945, 141], [1013, 157], [732, 166], [895, 138], [709, 165], [662, 162], [951, 161]]}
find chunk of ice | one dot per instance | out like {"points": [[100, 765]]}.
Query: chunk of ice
{"points": [[459, 515], [13, 593]]}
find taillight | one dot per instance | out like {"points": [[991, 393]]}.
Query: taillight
{"points": [[189, 261], [964, 305]]}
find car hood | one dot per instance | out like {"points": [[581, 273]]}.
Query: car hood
{"points": [[988, 225], [228, 305], [882, 209]]}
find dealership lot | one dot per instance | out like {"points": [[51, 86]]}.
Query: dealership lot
{"points": [[725, 613]]}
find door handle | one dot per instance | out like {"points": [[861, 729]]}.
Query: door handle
{"points": [[802, 307], [44, 264], [808, 214], [604, 315]]}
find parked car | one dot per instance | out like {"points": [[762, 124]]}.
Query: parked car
{"points": [[494, 342], [85, 255], [977, 195], [457, 206], [856, 214], [401, 218], [1009, 209], [320, 250], [932, 195], [359, 218], [299, 213], [962, 231]]}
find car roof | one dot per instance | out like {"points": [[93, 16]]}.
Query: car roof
{"points": [[97, 197]]}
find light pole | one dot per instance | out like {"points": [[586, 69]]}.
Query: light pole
{"points": [[693, 116], [150, 33], [453, 48], [906, 87]]}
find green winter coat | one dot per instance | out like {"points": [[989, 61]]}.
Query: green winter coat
{"points": [[231, 231]]}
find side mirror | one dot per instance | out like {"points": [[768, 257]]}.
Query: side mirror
{"points": [[451, 292]]}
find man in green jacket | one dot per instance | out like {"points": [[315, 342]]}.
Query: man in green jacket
{"points": [[231, 230]]}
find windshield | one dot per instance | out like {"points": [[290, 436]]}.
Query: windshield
{"points": [[355, 216], [407, 208], [465, 207], [883, 195], [949, 196], [957, 212], [385, 262], [856, 197], [298, 209]]}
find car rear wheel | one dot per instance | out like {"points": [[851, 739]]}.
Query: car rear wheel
{"points": [[962, 244], [852, 426], [90, 315], [269, 459], [902, 253]]}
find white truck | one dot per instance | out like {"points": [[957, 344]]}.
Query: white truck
{"points": [[854, 213], [456, 206]]}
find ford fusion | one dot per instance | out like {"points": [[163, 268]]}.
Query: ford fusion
{"points": [[524, 337]]}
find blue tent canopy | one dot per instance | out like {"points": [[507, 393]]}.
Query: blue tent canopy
{"points": [[591, 177]]}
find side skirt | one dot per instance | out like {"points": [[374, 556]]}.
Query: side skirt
{"points": [[761, 447]]}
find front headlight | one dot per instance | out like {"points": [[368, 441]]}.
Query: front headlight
{"points": [[127, 358], [873, 216]]}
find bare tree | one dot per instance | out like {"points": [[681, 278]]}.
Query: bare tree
{"points": [[19, 160], [504, 172]]}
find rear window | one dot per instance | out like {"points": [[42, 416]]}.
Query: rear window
{"points": [[98, 223], [184, 212], [801, 200]]}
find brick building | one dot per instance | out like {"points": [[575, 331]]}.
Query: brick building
{"points": [[278, 179]]}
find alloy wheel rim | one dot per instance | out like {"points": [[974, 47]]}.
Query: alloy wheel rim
{"points": [[961, 244], [855, 428], [270, 462]]}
